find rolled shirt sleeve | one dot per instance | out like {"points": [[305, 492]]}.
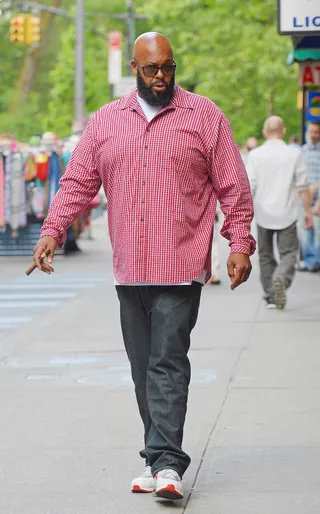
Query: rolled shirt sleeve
{"points": [[232, 186], [301, 173], [78, 186]]}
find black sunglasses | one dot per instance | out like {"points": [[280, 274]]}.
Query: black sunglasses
{"points": [[152, 70]]}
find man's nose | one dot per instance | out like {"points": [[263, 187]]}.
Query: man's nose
{"points": [[159, 74]]}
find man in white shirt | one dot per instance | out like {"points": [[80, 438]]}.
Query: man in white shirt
{"points": [[276, 171], [310, 239]]}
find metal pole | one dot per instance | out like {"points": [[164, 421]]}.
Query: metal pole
{"points": [[303, 115], [79, 95], [130, 34]]}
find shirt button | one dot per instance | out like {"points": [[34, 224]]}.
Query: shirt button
{"points": [[143, 182], [142, 219], [148, 129], [146, 146], [142, 201], [144, 164]]}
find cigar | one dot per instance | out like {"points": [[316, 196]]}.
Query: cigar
{"points": [[33, 267]]}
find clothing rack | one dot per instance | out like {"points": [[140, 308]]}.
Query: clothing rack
{"points": [[28, 183]]}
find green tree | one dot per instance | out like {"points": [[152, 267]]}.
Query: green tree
{"points": [[227, 50], [60, 107], [231, 52], [28, 118]]}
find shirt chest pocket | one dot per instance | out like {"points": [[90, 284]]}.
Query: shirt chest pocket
{"points": [[185, 160]]}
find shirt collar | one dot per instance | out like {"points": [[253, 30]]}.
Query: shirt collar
{"points": [[274, 141], [313, 147], [180, 99]]}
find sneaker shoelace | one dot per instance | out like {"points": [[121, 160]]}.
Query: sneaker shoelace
{"points": [[171, 474], [146, 472]]}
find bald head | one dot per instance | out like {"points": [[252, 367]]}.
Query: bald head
{"points": [[251, 144], [154, 67], [150, 47], [274, 128]]}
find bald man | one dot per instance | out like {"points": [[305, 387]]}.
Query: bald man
{"points": [[164, 157], [276, 171], [251, 144]]}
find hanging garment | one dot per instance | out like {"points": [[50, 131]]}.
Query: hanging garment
{"points": [[15, 195], [38, 197], [42, 165], [66, 158], [29, 190], [2, 220], [54, 177], [30, 169]]}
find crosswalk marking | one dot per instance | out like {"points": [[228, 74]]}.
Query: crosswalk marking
{"points": [[31, 287], [28, 304], [14, 319], [31, 296], [36, 296], [63, 279]]}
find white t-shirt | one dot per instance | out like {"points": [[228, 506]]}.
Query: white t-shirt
{"points": [[150, 111], [275, 171]]}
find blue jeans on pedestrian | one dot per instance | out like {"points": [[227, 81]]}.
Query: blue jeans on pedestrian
{"points": [[310, 244], [156, 324]]}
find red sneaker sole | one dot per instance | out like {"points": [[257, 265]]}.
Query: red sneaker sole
{"points": [[169, 492], [138, 489]]}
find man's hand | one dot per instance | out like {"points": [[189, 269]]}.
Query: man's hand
{"points": [[239, 269], [316, 208], [45, 243], [308, 220]]}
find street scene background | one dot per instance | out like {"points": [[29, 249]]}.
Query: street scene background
{"points": [[70, 431]]}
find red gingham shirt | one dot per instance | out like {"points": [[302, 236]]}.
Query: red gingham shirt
{"points": [[162, 180]]}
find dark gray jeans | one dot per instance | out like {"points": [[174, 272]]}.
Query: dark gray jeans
{"points": [[288, 248], [156, 324]]}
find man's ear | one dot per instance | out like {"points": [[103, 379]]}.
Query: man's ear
{"points": [[134, 67]]}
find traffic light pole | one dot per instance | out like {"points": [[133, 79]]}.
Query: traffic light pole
{"points": [[79, 100], [129, 17], [130, 34]]}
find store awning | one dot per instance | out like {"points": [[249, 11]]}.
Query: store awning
{"points": [[303, 54]]}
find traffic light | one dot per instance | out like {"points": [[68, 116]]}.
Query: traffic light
{"points": [[17, 29], [32, 30]]}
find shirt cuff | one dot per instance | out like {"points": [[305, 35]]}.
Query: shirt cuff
{"points": [[246, 249], [60, 238], [303, 188]]}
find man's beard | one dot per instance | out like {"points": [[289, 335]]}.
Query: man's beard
{"points": [[155, 99]]}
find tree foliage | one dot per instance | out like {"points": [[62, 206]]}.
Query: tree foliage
{"points": [[231, 52], [227, 50]]}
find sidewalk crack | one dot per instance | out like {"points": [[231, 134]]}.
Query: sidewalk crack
{"points": [[231, 380]]}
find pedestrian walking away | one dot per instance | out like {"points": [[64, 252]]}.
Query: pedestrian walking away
{"points": [[310, 239], [294, 141], [164, 157], [276, 171], [250, 145]]}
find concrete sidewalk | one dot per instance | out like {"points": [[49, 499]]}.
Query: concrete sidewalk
{"points": [[70, 431]]}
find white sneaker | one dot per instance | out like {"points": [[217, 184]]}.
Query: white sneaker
{"points": [[271, 305], [145, 483], [169, 485]]}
